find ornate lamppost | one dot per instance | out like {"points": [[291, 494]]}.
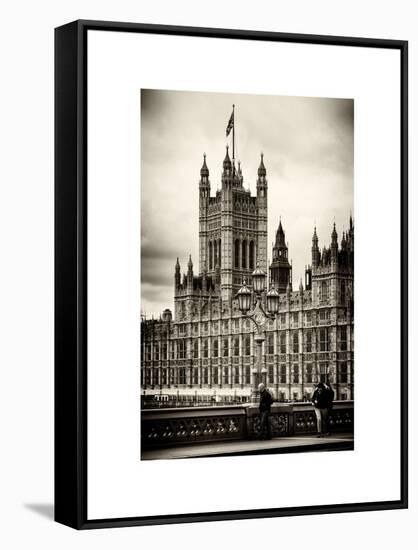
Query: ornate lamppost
{"points": [[259, 317]]}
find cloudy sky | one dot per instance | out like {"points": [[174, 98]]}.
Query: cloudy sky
{"points": [[308, 153]]}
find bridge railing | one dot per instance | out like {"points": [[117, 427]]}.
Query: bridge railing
{"points": [[203, 424]]}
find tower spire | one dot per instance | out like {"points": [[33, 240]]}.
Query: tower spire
{"points": [[204, 171], [227, 165], [315, 249], [177, 276], [262, 169]]}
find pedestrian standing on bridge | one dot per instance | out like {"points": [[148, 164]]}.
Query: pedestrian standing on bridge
{"points": [[330, 403], [266, 401], [320, 402]]}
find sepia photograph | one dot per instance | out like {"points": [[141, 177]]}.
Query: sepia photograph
{"points": [[211, 187], [247, 274]]}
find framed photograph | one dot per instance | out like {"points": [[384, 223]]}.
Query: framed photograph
{"points": [[230, 274]]}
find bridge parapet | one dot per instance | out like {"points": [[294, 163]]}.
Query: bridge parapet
{"points": [[187, 425]]}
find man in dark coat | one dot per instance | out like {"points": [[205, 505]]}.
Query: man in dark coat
{"points": [[266, 401], [320, 402]]}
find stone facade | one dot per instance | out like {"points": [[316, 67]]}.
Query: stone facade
{"points": [[206, 353]]}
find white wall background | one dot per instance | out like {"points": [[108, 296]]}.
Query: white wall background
{"points": [[26, 290]]}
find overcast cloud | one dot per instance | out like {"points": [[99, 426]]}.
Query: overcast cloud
{"points": [[308, 153]]}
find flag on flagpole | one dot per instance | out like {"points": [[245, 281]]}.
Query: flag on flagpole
{"points": [[230, 124]]}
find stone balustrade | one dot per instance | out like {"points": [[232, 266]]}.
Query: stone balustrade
{"points": [[203, 424]]}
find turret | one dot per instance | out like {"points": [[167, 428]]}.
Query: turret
{"points": [[204, 184], [280, 269], [315, 250], [167, 316], [227, 168], [350, 236], [262, 169], [239, 179], [204, 200], [262, 214], [334, 246], [190, 274], [280, 247], [262, 179], [177, 276], [204, 171]]}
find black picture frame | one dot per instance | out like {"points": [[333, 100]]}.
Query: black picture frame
{"points": [[71, 339]]}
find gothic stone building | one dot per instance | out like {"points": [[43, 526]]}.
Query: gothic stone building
{"points": [[205, 353]]}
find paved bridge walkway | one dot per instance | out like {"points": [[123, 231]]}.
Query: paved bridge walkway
{"points": [[293, 444]]}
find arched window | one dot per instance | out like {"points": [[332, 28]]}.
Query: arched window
{"points": [[295, 342], [308, 336], [323, 294], [244, 254], [215, 253], [270, 344], [247, 345], [215, 375], [343, 291], [236, 346], [251, 255], [181, 349], [225, 347], [219, 252], [282, 342], [236, 254], [215, 347], [323, 339], [205, 348], [210, 256]]}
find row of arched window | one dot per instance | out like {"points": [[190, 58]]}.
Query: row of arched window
{"points": [[244, 254], [280, 374], [312, 340]]}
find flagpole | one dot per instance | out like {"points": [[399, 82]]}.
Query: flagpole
{"points": [[233, 136]]}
